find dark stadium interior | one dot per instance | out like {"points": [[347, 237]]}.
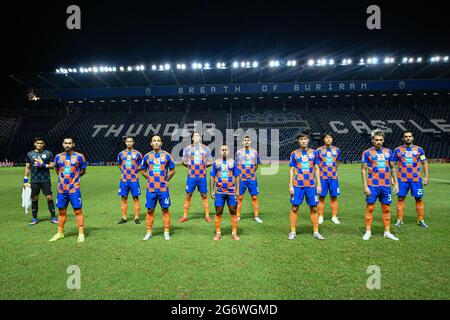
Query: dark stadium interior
{"points": [[39, 43]]}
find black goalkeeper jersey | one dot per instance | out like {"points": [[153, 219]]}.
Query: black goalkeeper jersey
{"points": [[39, 175]]}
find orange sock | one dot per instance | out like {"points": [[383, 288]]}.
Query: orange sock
{"points": [[369, 216], [218, 221], [314, 219], [420, 208], [149, 221], [400, 209], [62, 216], [166, 221], [334, 207], [321, 207], [187, 205], [293, 218], [205, 203], [80, 220], [386, 216], [124, 207], [137, 208], [234, 224], [239, 206], [255, 204]]}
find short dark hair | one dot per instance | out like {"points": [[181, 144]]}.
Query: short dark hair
{"points": [[39, 139], [129, 137], [408, 131], [156, 135], [69, 137], [327, 134], [246, 137], [303, 135]]}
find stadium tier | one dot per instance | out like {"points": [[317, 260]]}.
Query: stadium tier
{"points": [[99, 134], [99, 106]]}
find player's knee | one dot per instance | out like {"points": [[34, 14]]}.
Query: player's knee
{"points": [[35, 198], [49, 198], [204, 195], [165, 210], [295, 209], [401, 198], [254, 198], [150, 211], [313, 209], [241, 197], [418, 199], [321, 198], [189, 195]]}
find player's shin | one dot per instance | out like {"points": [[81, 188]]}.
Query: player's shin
{"points": [[34, 208], [369, 216], [314, 218], [80, 220], [255, 204], [218, 222], [51, 207], [166, 220], [321, 206], [62, 215], [124, 208], [137, 208], [420, 208], [293, 219], [400, 208], [334, 207], [149, 219], [187, 205], [205, 204], [234, 223], [386, 209], [239, 205]]}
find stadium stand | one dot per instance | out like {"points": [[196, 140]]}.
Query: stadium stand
{"points": [[99, 134]]}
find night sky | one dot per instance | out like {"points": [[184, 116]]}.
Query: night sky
{"points": [[35, 36]]}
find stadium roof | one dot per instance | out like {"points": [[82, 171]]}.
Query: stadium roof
{"points": [[239, 72]]}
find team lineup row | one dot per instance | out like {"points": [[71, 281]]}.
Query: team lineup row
{"points": [[312, 176]]}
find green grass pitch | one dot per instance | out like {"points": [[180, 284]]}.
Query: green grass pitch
{"points": [[116, 264]]}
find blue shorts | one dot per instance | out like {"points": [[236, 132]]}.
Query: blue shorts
{"points": [[221, 198], [379, 193], [192, 183], [330, 185], [310, 193], [126, 187], [153, 198], [63, 199], [415, 187], [251, 185]]}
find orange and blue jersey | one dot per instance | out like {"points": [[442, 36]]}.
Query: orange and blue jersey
{"points": [[247, 161], [408, 161], [328, 162], [304, 161], [378, 163], [130, 163], [157, 165], [197, 158], [225, 173], [68, 167]]}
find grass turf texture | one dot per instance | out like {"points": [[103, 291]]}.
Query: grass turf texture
{"points": [[116, 264]]}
